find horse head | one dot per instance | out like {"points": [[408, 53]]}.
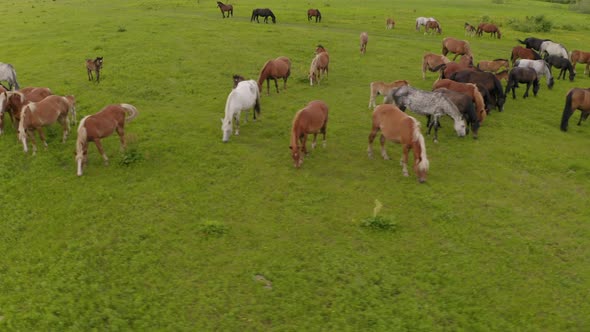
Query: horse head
{"points": [[226, 128], [296, 155]]}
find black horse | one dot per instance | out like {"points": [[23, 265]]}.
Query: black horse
{"points": [[561, 63], [265, 12], [493, 88], [465, 105], [522, 75], [532, 42]]}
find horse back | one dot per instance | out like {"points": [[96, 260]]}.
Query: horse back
{"points": [[104, 123], [394, 124], [312, 118]]}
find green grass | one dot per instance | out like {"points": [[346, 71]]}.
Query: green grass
{"points": [[183, 232]]}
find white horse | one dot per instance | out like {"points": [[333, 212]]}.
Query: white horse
{"points": [[7, 73], [540, 66], [552, 48], [421, 21], [245, 96]]}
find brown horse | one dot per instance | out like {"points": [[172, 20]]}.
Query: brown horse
{"points": [[503, 75], [225, 8], [469, 30], [13, 101], [432, 25], [94, 127], [319, 65], [94, 66], [431, 61], [36, 115], [490, 28], [401, 128], [465, 63], [576, 99], [312, 119], [459, 47], [382, 88], [273, 69], [390, 23], [364, 40], [494, 65], [469, 89], [581, 57], [519, 52], [314, 13]]}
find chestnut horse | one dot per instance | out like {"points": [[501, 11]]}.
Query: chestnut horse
{"points": [[364, 40], [390, 23], [519, 52], [94, 127], [273, 69], [432, 25], [431, 61], [397, 126], [469, 30], [225, 8], [312, 119], [581, 57], [490, 28], [465, 63], [314, 13], [503, 75], [319, 65], [94, 66], [13, 101], [459, 47], [576, 99], [469, 89], [36, 115], [494, 65], [382, 88]]}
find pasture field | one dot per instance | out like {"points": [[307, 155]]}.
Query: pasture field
{"points": [[184, 233]]}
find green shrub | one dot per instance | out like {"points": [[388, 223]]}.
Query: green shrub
{"points": [[213, 228], [531, 24], [379, 223]]}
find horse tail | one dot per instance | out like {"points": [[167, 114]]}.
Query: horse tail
{"points": [[70, 101], [520, 41], [131, 111], [257, 104], [424, 164], [567, 110]]}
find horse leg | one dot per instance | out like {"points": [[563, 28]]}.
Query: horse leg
{"points": [[268, 86], [587, 69], [42, 136], [383, 152], [97, 75], [323, 131], [303, 140], [277, 84], [314, 142], [101, 151], [404, 160], [526, 94], [90, 78], [121, 133], [65, 124]]}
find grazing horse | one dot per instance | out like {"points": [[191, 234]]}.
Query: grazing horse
{"points": [[503, 75], [13, 101], [273, 69], [465, 105], [562, 63], [489, 86], [314, 13], [319, 65], [519, 52], [94, 127], [522, 75], [459, 47], [397, 126], [468, 89], [225, 8], [421, 21], [581, 57], [94, 66], [245, 96], [540, 66], [427, 103], [432, 25], [364, 40], [390, 23], [237, 79], [433, 63], [551, 48], [36, 115], [465, 63], [469, 30], [382, 88], [576, 99], [312, 119], [490, 28], [264, 12], [494, 65], [532, 42], [7, 73]]}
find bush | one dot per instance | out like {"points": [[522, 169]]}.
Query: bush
{"points": [[379, 223], [531, 24]]}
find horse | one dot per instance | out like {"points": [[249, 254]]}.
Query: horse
{"points": [[487, 83], [94, 66], [468, 89], [421, 21], [273, 69], [237, 79], [390, 23], [562, 63], [465, 63], [494, 65], [427, 103], [581, 57], [36, 115], [465, 105], [522, 75], [532, 42], [225, 8], [432, 62], [314, 13], [576, 99], [13, 101], [540, 66], [551, 48], [264, 12], [397, 126], [319, 65], [364, 40], [312, 119], [469, 30], [519, 52], [503, 75], [246, 95], [8, 74], [432, 25], [459, 47], [97, 126], [490, 28], [382, 88]]}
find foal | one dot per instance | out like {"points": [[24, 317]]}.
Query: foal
{"points": [[364, 41], [94, 65]]}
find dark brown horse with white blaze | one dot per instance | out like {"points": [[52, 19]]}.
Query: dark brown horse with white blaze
{"points": [[576, 99], [94, 66], [459, 47], [225, 8], [274, 69], [401, 128], [94, 127], [312, 119]]}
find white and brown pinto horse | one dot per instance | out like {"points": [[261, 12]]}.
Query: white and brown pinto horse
{"points": [[319, 65], [97, 126], [36, 115], [401, 128], [312, 119], [421, 21], [382, 88]]}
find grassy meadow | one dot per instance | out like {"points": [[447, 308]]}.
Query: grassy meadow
{"points": [[182, 232]]}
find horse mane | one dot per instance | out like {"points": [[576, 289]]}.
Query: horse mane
{"points": [[263, 71]]}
